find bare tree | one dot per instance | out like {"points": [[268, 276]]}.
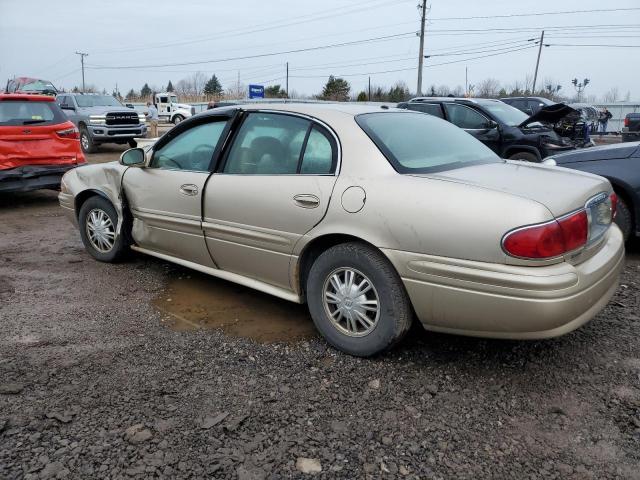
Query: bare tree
{"points": [[488, 88], [458, 91], [612, 96], [627, 96], [198, 81], [443, 90]]}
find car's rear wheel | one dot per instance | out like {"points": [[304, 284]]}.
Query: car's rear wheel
{"points": [[624, 218], [177, 119], [98, 225], [86, 142], [357, 300], [524, 156]]}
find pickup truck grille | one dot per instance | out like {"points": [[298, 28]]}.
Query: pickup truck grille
{"points": [[123, 118]]}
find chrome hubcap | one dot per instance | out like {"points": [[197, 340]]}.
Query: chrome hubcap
{"points": [[100, 230], [351, 302]]}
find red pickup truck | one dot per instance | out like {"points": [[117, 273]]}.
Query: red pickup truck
{"points": [[38, 144]]}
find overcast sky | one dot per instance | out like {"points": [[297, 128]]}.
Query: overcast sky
{"points": [[41, 41]]}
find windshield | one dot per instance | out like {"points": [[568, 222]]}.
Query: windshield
{"points": [[97, 101], [505, 113], [421, 143], [174, 99]]}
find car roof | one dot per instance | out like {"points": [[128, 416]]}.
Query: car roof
{"points": [[26, 96], [319, 110], [474, 100]]}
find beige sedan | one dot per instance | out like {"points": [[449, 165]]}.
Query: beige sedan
{"points": [[372, 216]]}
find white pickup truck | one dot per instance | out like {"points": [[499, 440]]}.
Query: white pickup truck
{"points": [[169, 110]]}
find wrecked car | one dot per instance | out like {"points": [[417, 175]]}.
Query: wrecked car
{"points": [[506, 130], [38, 144], [371, 216]]}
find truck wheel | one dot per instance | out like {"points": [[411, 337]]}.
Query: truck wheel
{"points": [[86, 142], [524, 156], [177, 119]]}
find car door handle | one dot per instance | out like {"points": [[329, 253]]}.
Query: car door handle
{"points": [[189, 189], [306, 200]]}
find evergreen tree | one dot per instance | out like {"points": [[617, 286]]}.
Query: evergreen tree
{"points": [[399, 93], [336, 89], [169, 86], [213, 86], [362, 97], [145, 91], [275, 91], [131, 95]]}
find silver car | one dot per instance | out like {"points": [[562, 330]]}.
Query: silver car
{"points": [[372, 216]]}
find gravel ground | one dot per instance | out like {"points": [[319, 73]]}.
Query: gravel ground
{"points": [[94, 385]]}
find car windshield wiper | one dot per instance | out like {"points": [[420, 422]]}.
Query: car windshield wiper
{"points": [[31, 122]]}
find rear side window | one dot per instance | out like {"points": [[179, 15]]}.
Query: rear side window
{"points": [[430, 108], [422, 143], [320, 154], [465, 117], [28, 112]]}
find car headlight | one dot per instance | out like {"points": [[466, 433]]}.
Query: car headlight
{"points": [[550, 161], [97, 119]]}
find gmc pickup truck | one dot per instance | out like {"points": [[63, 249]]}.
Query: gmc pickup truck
{"points": [[631, 129], [102, 119]]}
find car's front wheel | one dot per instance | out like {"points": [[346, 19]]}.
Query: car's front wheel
{"points": [[357, 300], [98, 226]]}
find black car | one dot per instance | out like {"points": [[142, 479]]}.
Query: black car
{"points": [[620, 164], [506, 130]]}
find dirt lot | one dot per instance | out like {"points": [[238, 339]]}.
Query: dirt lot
{"points": [[103, 374]]}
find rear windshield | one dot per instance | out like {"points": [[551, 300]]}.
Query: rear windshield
{"points": [[422, 143], [29, 112]]}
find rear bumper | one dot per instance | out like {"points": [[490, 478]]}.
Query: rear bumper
{"points": [[32, 177], [502, 301], [107, 133]]}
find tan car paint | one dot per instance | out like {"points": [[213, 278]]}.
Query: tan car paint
{"points": [[442, 233]]}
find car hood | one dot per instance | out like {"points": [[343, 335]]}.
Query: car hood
{"points": [[103, 110], [182, 105], [549, 114], [544, 184], [604, 152]]}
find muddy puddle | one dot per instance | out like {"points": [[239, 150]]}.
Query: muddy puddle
{"points": [[196, 301]]}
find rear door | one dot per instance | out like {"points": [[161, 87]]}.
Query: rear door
{"points": [[29, 134], [273, 187]]}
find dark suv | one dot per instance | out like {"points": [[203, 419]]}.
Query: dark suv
{"points": [[505, 129]]}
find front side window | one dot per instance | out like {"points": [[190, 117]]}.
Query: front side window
{"points": [[164, 99], [465, 117], [415, 143], [190, 150], [268, 144]]}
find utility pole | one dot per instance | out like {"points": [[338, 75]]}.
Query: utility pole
{"points": [[423, 7], [535, 75], [287, 79], [466, 81], [369, 88], [238, 86], [82, 55]]}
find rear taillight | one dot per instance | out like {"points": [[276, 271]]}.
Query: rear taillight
{"points": [[550, 239], [626, 121], [69, 133], [614, 205]]}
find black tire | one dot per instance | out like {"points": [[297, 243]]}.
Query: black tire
{"points": [[395, 313], [132, 143], [525, 157], [86, 141], [177, 119], [119, 247], [624, 219]]}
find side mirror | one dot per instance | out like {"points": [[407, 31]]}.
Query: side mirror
{"points": [[491, 124], [128, 105], [68, 107], [133, 157]]}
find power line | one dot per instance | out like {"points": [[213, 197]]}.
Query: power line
{"points": [[591, 45], [538, 14], [298, 50]]}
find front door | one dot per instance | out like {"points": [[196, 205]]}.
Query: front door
{"points": [[166, 197], [274, 187]]}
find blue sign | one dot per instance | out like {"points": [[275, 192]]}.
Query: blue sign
{"points": [[256, 91]]}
